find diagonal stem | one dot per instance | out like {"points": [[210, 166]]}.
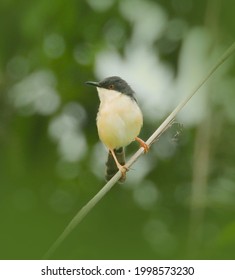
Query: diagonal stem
{"points": [[161, 129]]}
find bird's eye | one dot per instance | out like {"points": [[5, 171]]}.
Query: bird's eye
{"points": [[111, 86]]}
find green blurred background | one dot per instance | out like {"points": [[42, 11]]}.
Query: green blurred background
{"points": [[179, 200]]}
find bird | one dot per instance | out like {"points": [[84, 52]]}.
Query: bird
{"points": [[119, 122]]}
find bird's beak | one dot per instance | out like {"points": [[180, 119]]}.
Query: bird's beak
{"points": [[95, 84]]}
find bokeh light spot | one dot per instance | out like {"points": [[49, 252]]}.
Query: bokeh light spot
{"points": [[54, 45]]}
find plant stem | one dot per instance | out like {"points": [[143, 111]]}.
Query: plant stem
{"points": [[154, 137]]}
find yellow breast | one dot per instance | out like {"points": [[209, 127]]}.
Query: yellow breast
{"points": [[119, 120]]}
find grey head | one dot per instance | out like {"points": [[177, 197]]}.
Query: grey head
{"points": [[115, 83]]}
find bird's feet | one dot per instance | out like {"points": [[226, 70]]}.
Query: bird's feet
{"points": [[123, 169], [142, 144]]}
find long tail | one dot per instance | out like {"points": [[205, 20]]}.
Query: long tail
{"points": [[111, 167]]}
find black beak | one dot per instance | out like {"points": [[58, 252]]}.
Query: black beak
{"points": [[95, 84]]}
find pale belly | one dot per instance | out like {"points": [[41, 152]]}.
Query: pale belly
{"points": [[119, 123]]}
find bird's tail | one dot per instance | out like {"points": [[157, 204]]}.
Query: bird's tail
{"points": [[111, 167]]}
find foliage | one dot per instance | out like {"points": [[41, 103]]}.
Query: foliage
{"points": [[178, 201]]}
